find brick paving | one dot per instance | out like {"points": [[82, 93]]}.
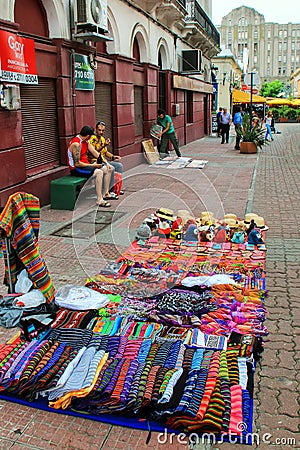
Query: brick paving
{"points": [[267, 183]]}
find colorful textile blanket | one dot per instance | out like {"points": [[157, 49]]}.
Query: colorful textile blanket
{"points": [[20, 221]]}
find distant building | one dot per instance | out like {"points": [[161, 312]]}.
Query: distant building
{"points": [[227, 75], [295, 84], [274, 49]]}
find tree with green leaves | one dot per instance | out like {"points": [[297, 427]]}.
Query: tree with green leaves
{"points": [[271, 89]]}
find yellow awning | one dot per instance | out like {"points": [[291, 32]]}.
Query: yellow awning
{"points": [[244, 97], [279, 101], [295, 102]]}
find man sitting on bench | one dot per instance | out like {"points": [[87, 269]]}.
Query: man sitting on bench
{"points": [[81, 167]]}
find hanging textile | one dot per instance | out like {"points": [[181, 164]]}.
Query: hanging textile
{"points": [[20, 222]]}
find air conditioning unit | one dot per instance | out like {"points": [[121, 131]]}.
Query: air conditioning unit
{"points": [[90, 15], [191, 61]]}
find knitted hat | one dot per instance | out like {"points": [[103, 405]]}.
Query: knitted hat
{"points": [[143, 232], [191, 233]]}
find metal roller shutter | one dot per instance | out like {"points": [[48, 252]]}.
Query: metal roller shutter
{"points": [[103, 107], [39, 120]]}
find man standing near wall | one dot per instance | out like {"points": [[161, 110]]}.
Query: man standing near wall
{"points": [[167, 133]]}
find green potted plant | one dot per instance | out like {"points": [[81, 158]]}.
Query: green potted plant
{"points": [[283, 114], [251, 137]]}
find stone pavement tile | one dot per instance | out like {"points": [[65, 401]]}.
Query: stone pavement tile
{"points": [[288, 403], [286, 358], [124, 438], [279, 383], [6, 444], [14, 419], [268, 399], [55, 430]]}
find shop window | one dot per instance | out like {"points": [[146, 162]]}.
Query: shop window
{"points": [[31, 16]]}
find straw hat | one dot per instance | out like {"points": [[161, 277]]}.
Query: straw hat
{"points": [[184, 215], [207, 217], [231, 222], [261, 224], [249, 217], [230, 216], [205, 213], [164, 213]]}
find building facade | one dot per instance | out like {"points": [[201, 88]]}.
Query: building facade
{"points": [[274, 49], [295, 84], [136, 58], [227, 76]]}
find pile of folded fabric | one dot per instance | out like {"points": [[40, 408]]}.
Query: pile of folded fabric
{"points": [[171, 334]]}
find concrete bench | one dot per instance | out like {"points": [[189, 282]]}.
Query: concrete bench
{"points": [[64, 191]]}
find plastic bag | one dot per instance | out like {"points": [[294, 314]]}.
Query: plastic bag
{"points": [[23, 283], [80, 298], [31, 299]]}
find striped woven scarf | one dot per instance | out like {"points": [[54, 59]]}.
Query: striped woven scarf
{"points": [[20, 221]]}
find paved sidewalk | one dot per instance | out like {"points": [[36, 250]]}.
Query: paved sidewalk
{"points": [[267, 183]]}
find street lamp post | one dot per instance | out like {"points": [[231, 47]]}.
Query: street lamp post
{"points": [[251, 96]]}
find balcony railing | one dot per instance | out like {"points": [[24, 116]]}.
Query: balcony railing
{"points": [[197, 13], [182, 2]]}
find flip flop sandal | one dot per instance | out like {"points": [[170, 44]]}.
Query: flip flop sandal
{"points": [[111, 196], [104, 204]]}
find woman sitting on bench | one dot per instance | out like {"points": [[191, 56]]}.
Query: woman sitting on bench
{"points": [[81, 167]]}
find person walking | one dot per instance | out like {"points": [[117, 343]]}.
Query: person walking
{"points": [[168, 133], [219, 129], [226, 120], [268, 122], [238, 123]]}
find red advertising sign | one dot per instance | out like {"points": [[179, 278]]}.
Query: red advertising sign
{"points": [[247, 88], [17, 59]]}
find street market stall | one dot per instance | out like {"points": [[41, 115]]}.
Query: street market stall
{"points": [[165, 337]]}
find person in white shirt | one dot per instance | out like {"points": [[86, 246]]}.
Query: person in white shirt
{"points": [[268, 122], [226, 120]]}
